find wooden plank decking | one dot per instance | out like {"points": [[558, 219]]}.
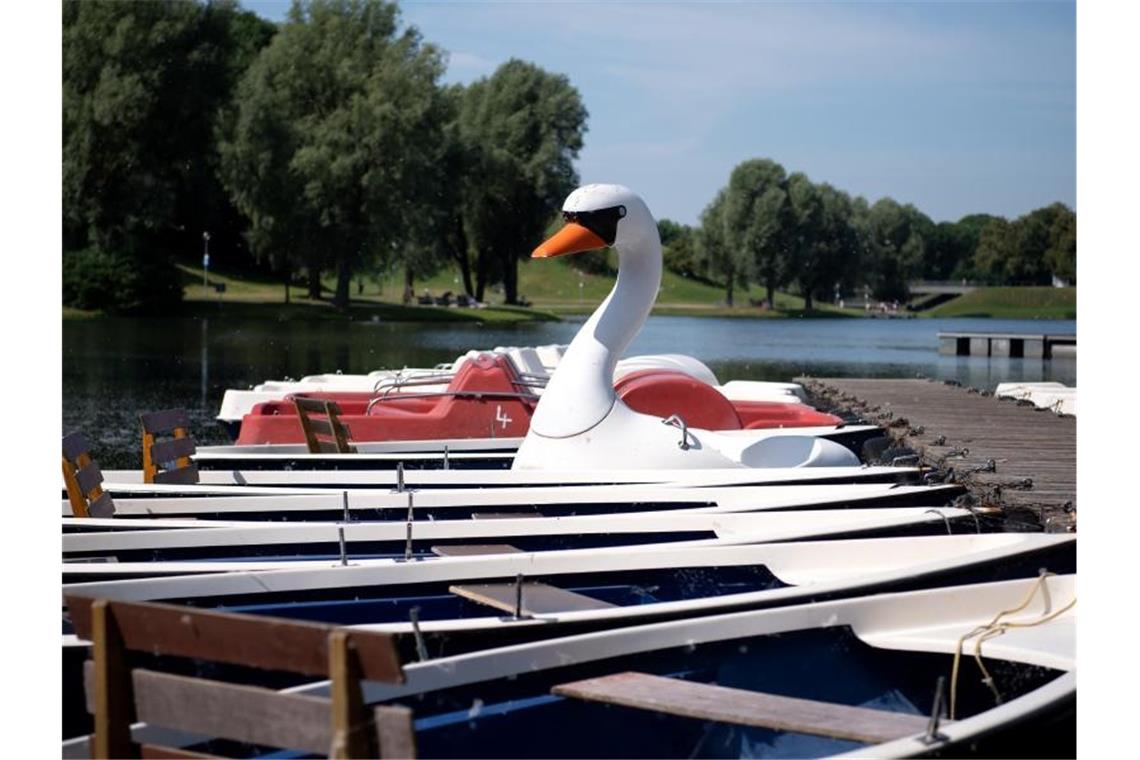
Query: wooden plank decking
{"points": [[1007, 453]]}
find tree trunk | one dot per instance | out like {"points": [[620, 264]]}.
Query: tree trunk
{"points": [[343, 281], [409, 286], [481, 275], [288, 277], [771, 294], [511, 281], [459, 253], [807, 300], [314, 282], [729, 281]]}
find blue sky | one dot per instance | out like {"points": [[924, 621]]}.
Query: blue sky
{"points": [[957, 107]]}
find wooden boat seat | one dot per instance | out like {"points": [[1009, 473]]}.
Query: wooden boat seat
{"points": [[119, 693], [322, 436], [473, 550], [84, 479], [168, 460], [537, 598], [702, 701]]}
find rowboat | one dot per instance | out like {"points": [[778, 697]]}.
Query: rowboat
{"points": [[253, 503], [879, 675], [124, 554]]}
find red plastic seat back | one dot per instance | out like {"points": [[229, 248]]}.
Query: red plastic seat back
{"points": [[664, 392]]}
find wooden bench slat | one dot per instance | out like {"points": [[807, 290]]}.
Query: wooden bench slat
{"points": [[260, 642], [103, 506], [170, 450], [232, 711], [471, 550], [75, 444], [88, 477], [395, 733], [164, 421], [316, 405], [537, 598], [321, 427], [747, 708], [183, 476]]}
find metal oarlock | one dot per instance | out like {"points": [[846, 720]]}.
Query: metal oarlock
{"points": [[446, 458], [421, 648], [343, 545], [399, 477], [411, 517], [932, 735], [347, 518], [518, 595]]}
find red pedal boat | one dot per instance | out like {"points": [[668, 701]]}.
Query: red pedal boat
{"points": [[487, 398]]}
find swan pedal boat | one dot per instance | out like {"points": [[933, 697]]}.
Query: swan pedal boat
{"points": [[728, 684], [523, 372]]}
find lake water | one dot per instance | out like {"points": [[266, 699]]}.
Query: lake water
{"points": [[115, 368]]}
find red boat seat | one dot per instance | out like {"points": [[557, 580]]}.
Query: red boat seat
{"points": [[431, 416], [663, 392]]}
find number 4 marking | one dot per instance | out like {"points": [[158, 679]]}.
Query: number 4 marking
{"points": [[500, 417]]}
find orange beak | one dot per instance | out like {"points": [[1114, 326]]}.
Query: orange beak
{"points": [[573, 238]]}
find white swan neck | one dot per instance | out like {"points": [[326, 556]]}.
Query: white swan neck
{"points": [[581, 392]]}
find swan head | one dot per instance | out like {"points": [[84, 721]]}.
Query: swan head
{"points": [[598, 216]]}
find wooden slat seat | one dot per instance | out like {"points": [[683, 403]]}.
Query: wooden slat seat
{"points": [[745, 708], [474, 550], [323, 436], [341, 726], [168, 460], [537, 598], [84, 479]]}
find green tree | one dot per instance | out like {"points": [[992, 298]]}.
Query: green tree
{"points": [[996, 246], [757, 225], [1061, 255], [824, 241], [142, 85], [724, 260], [895, 247], [524, 127], [679, 250], [352, 137]]}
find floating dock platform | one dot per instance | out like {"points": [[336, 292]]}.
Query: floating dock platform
{"points": [[1008, 453], [1012, 345]]}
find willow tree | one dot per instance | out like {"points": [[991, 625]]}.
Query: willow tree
{"points": [[523, 127], [333, 149]]}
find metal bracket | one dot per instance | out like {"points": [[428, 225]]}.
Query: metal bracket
{"points": [[343, 545], [676, 420]]}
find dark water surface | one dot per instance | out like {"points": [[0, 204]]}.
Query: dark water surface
{"points": [[115, 368]]}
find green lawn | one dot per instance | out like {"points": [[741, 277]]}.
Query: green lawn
{"points": [[555, 286], [1012, 303]]}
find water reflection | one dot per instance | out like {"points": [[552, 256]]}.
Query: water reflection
{"points": [[115, 368]]}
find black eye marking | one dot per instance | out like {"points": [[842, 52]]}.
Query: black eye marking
{"points": [[602, 222]]}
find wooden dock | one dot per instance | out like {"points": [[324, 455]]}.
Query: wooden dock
{"points": [[1008, 453]]}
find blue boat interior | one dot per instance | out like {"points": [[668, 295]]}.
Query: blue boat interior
{"points": [[518, 717]]}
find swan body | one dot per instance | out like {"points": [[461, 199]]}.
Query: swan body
{"points": [[580, 422]]}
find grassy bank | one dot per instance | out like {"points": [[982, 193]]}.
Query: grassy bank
{"points": [[555, 288], [1012, 303]]}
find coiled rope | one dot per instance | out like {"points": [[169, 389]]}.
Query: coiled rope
{"points": [[996, 628]]}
